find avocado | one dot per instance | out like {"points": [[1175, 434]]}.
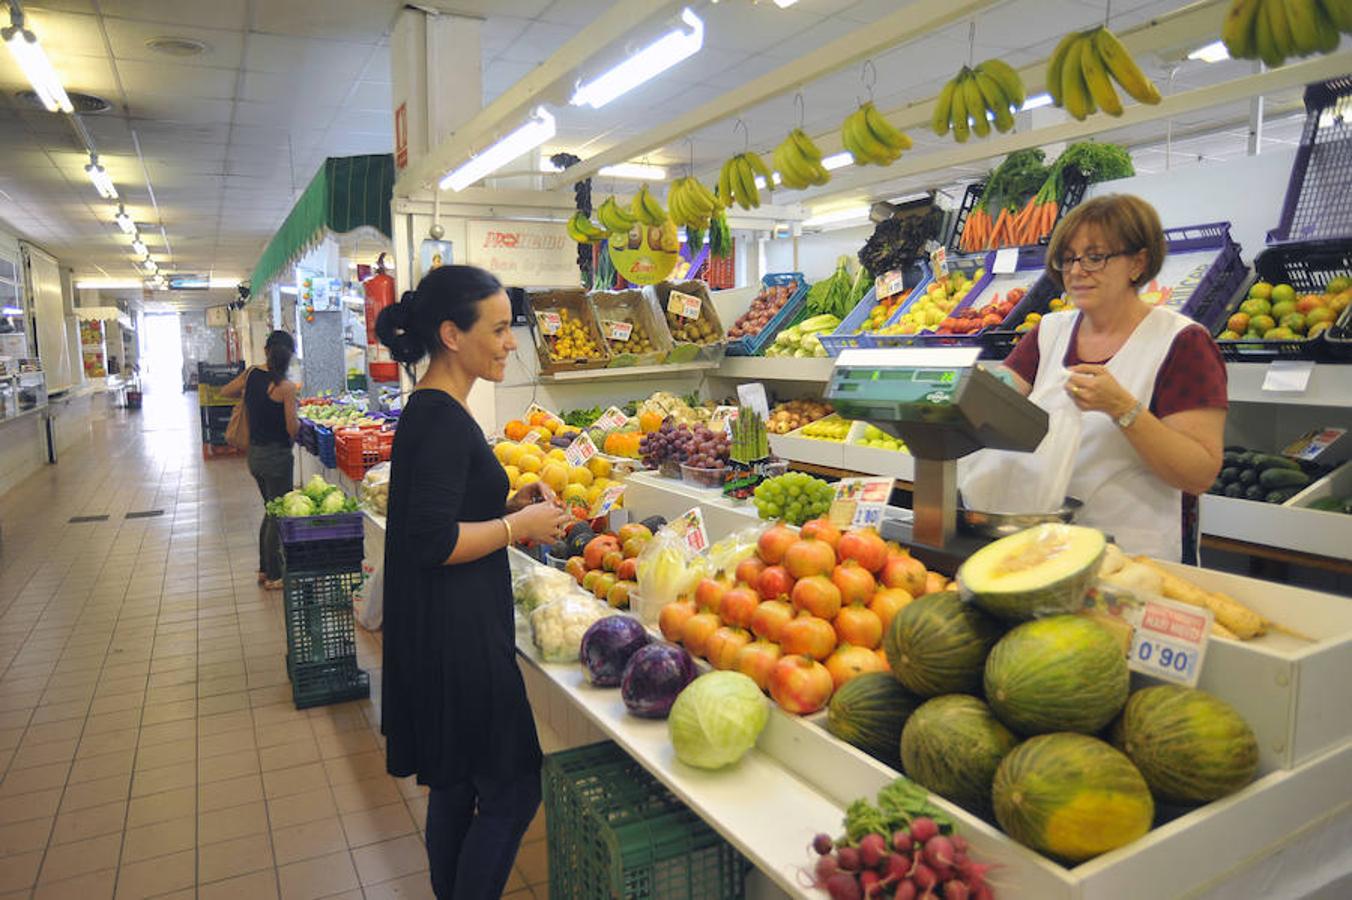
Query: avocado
{"points": [[1235, 490], [577, 542], [1255, 492], [1229, 474], [1248, 476], [559, 550], [1279, 479]]}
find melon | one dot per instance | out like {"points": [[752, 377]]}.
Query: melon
{"points": [[1071, 796], [869, 711], [937, 645], [1064, 673], [952, 745], [1190, 746], [1039, 571]]}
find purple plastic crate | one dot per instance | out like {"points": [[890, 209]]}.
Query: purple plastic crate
{"points": [[335, 527], [1210, 300], [968, 264], [305, 436], [1318, 201]]}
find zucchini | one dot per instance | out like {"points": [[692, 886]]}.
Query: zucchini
{"points": [[1235, 490], [1327, 504], [1255, 492], [1264, 462], [1281, 496], [1229, 474], [1246, 459], [1248, 477], [1278, 479]]}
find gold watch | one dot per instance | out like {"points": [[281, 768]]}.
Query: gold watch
{"points": [[1125, 420]]}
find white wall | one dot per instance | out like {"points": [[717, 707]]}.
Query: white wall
{"points": [[817, 253]]}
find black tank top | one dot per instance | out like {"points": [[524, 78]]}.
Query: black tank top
{"points": [[267, 417]]}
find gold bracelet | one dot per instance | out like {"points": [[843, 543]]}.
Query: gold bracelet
{"points": [[508, 526]]}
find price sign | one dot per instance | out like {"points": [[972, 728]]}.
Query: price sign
{"points": [[537, 408], [606, 502], [611, 418], [580, 450], [859, 502], [753, 395], [888, 284], [1313, 443], [939, 262], [532, 437], [684, 305], [1288, 376], [1169, 641], [690, 527], [1006, 261], [550, 322], [723, 417], [618, 331]]}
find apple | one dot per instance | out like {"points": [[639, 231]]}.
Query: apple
{"points": [[800, 684]]}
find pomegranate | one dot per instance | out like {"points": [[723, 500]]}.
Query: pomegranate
{"points": [[820, 530], [627, 570], [748, 571], [859, 625], [902, 570], [697, 631], [850, 662], [855, 583], [887, 602], [774, 583], [800, 684], [723, 646], [810, 557], [597, 548], [774, 542], [818, 596], [756, 660], [808, 635], [709, 594], [770, 618], [739, 607], [673, 617], [864, 547]]}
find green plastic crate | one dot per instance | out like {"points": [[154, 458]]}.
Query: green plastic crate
{"points": [[614, 831], [320, 626], [319, 684]]}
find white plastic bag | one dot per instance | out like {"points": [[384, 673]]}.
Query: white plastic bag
{"points": [[1012, 482], [557, 627], [539, 585], [667, 570], [369, 599]]}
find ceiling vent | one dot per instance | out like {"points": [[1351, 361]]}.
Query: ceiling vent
{"points": [[177, 46], [85, 104]]}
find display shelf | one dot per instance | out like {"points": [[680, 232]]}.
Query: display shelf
{"points": [[1329, 386], [661, 371], [776, 368], [1304, 531]]}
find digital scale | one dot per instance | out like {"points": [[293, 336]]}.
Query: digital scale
{"points": [[944, 407]]}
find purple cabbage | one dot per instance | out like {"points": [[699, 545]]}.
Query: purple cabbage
{"points": [[607, 646], [653, 678]]}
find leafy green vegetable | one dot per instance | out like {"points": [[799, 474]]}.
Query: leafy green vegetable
{"points": [[1098, 162], [1014, 180], [832, 295], [898, 803], [717, 719], [581, 418]]}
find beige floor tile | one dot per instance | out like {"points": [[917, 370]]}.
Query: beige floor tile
{"points": [[347, 743], [19, 871], [296, 780], [38, 778], [533, 861], [120, 703], [230, 765], [379, 824], [57, 712], [295, 809], [223, 703], [367, 794], [231, 742], [32, 754], [417, 808], [55, 731], [228, 793], [167, 732], [256, 886], [169, 694], [167, 754], [24, 837], [93, 886], [359, 767], [128, 717], [287, 756], [238, 856], [159, 839], [165, 778], [106, 742], [80, 824], [37, 805], [235, 822], [315, 878], [153, 877], [536, 831], [309, 840], [10, 737], [168, 712], [390, 859], [221, 722], [81, 857], [162, 807], [417, 886], [272, 734]]}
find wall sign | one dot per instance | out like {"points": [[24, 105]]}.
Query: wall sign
{"points": [[522, 254]]}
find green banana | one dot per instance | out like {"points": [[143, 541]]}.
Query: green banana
{"points": [[1302, 15], [1328, 32], [1097, 81], [976, 105], [1237, 32], [995, 100], [725, 184], [613, 218], [806, 148], [1339, 13], [961, 130], [1074, 92], [746, 172], [1274, 12], [758, 166], [1056, 64], [943, 109], [1265, 41], [1011, 85], [883, 130], [1124, 69]]}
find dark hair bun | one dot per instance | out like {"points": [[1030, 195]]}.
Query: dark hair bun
{"points": [[394, 328]]}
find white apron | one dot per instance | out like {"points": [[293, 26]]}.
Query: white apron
{"points": [[1121, 495]]}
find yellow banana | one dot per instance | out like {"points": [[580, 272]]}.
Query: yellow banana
{"points": [[707, 197], [1339, 13], [613, 218], [1328, 32], [725, 196], [1274, 14], [1074, 92], [879, 153], [1301, 15], [1097, 80], [1237, 31], [1056, 64], [701, 201], [976, 105], [747, 175], [883, 130], [995, 100], [680, 211], [961, 130], [806, 148], [1011, 85], [943, 109], [1124, 69], [795, 171], [820, 175]]}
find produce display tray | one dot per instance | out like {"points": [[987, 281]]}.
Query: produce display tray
{"points": [[1028, 270], [1318, 200], [656, 296], [848, 335], [628, 306], [577, 305], [968, 265], [755, 345], [1200, 275], [1335, 485]]}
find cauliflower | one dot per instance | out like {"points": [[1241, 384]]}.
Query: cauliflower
{"points": [[333, 502], [557, 627], [539, 585]]}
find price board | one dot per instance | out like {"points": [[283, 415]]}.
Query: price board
{"points": [[888, 284], [690, 526], [607, 501], [685, 305], [580, 450], [612, 418], [723, 418], [618, 331], [1169, 641], [939, 262], [860, 502], [550, 322]]}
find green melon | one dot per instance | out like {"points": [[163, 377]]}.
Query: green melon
{"points": [[1071, 796], [1037, 572], [869, 711], [937, 644], [1190, 746], [953, 745], [1064, 673]]}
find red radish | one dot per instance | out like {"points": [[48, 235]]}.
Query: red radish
{"points": [[826, 867], [823, 844], [901, 841], [905, 891], [923, 876], [738, 607], [868, 882], [848, 857], [857, 624], [820, 530], [816, 594], [774, 541], [939, 851], [770, 618], [973, 872], [709, 594], [983, 892], [854, 582], [923, 828], [872, 848], [904, 571], [774, 583], [864, 547], [956, 890], [896, 865], [843, 886], [809, 557], [960, 844], [748, 571]]}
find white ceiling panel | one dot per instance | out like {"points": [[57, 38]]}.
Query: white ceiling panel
{"points": [[65, 34], [206, 82], [329, 19], [371, 95], [282, 54], [229, 14], [129, 38], [169, 112]]}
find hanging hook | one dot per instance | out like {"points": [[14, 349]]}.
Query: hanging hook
{"points": [[690, 142], [746, 134], [971, 44], [868, 77], [1107, 12], [801, 105]]}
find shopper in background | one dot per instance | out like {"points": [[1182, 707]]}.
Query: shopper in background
{"points": [[454, 704], [270, 405], [1150, 382]]}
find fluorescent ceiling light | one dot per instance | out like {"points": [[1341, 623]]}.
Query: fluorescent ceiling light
{"points": [[106, 284], [124, 221], [785, 4], [149, 266], [535, 132], [11, 311], [630, 171], [646, 64], [837, 161], [99, 176], [138, 247], [28, 53], [760, 180], [223, 282], [1212, 53], [1037, 101], [836, 216], [289, 289]]}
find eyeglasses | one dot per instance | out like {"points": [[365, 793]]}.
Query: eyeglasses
{"points": [[1089, 262]]}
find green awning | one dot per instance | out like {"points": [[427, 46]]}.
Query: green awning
{"points": [[347, 194]]}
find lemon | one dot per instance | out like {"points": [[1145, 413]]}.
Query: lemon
{"points": [[525, 479], [580, 475], [513, 474]]}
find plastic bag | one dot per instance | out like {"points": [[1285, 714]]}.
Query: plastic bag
{"points": [[557, 627], [369, 599], [539, 585], [1012, 482], [375, 488], [667, 569], [725, 555]]}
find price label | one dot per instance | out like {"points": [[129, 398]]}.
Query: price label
{"points": [[685, 305], [1169, 641], [550, 322], [618, 331], [1313, 443], [723, 417], [611, 418], [859, 502], [690, 527], [754, 396], [1288, 376], [1006, 261], [580, 450], [606, 502], [939, 262], [537, 408], [889, 284]]}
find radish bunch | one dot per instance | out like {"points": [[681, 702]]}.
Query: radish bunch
{"points": [[918, 864]]}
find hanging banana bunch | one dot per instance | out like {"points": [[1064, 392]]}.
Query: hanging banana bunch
{"points": [[737, 180], [1274, 30], [871, 139], [646, 209], [799, 162], [991, 87], [1084, 66], [581, 229], [692, 204], [615, 218]]}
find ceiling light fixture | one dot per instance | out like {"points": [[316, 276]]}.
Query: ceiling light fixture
{"points": [[646, 64], [1211, 53], [106, 284], [28, 53], [540, 128], [150, 266], [100, 178], [138, 247], [634, 171], [837, 161], [785, 4], [836, 216], [124, 221], [1037, 101]]}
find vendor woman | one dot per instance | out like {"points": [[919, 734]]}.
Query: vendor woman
{"points": [[1149, 382], [454, 705]]}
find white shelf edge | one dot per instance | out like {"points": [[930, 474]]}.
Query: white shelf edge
{"points": [[629, 372]]}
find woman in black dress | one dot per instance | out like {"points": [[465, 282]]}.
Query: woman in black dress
{"points": [[454, 707]]}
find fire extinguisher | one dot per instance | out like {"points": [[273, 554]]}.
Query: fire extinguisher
{"points": [[379, 294]]}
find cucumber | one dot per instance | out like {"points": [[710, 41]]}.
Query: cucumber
{"points": [[1281, 496], [1218, 487], [1328, 504], [1255, 492], [1248, 477], [1232, 457], [1278, 479], [1265, 462], [1246, 459], [1229, 474], [1235, 490]]}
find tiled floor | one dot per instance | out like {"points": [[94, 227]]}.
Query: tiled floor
{"points": [[147, 737]]}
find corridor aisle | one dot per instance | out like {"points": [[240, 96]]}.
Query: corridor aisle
{"points": [[147, 737]]}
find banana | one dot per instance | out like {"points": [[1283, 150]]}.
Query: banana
{"points": [[976, 105], [725, 187], [1074, 92], [1328, 32], [700, 199], [707, 198], [882, 129], [759, 167], [680, 212], [1124, 69], [1011, 85], [746, 175], [820, 174], [613, 218], [995, 100], [795, 171], [806, 148], [943, 109], [1056, 63], [1096, 79], [961, 130], [1339, 13], [1302, 15], [864, 143], [1237, 32], [1274, 14]]}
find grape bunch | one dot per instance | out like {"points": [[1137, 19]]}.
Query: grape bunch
{"points": [[794, 497], [696, 446]]}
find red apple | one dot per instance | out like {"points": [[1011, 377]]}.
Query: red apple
{"points": [[810, 557], [800, 684], [770, 618]]}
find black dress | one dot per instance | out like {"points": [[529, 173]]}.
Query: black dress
{"points": [[453, 701]]}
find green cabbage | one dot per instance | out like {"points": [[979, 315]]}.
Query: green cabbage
{"points": [[316, 488], [297, 504], [334, 502], [717, 719]]}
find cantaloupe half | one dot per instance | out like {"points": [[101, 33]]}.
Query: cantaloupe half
{"points": [[1041, 571]]}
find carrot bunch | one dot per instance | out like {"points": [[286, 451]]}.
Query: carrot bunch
{"points": [[977, 231], [1028, 225]]}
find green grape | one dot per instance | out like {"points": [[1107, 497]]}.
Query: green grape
{"points": [[774, 511], [795, 491]]}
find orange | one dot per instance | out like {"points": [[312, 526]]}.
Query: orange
{"points": [[516, 430], [538, 418]]}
